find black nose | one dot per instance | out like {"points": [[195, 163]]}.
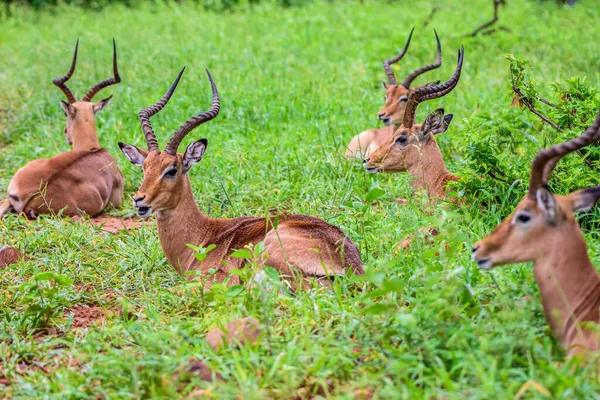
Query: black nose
{"points": [[381, 115], [366, 160], [139, 198], [474, 249]]}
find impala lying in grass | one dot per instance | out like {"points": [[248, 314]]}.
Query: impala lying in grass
{"points": [[543, 229], [392, 112], [83, 180], [298, 243], [413, 147]]}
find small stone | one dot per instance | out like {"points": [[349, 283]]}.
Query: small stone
{"points": [[198, 369], [10, 255], [242, 331], [363, 394]]}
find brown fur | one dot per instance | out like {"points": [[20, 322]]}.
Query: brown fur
{"points": [[568, 282], [392, 113], [306, 243], [83, 180], [420, 156]]}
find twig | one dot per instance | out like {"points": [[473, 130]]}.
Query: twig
{"points": [[430, 17], [497, 178], [523, 99], [500, 28], [546, 102], [497, 3]]}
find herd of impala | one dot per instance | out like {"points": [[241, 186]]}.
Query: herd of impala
{"points": [[305, 249]]}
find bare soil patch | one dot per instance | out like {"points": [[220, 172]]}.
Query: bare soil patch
{"points": [[84, 316], [113, 224]]}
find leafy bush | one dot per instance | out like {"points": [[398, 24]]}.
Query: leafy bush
{"points": [[502, 147]]}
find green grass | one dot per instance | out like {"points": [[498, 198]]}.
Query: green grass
{"points": [[296, 84]]}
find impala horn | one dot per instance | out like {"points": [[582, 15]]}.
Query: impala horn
{"points": [[60, 82], [431, 92], [545, 160], [145, 114], [195, 121]]}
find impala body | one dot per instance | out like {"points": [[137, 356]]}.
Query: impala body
{"points": [[413, 147], [298, 244], [543, 229], [83, 180], [392, 112]]}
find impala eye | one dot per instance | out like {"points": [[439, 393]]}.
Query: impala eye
{"points": [[403, 98], [522, 218], [171, 173], [401, 139]]}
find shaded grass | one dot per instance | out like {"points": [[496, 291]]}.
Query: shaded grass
{"points": [[296, 85]]}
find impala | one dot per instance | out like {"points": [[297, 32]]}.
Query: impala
{"points": [[542, 229], [83, 180], [392, 111], [295, 243], [413, 147]]}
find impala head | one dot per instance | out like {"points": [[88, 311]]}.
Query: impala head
{"points": [[396, 95], [165, 172], [541, 221], [81, 113], [403, 150]]}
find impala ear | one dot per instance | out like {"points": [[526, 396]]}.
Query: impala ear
{"points": [[385, 85], [547, 203], [193, 154], [583, 200], [435, 123], [135, 155], [69, 109], [101, 104]]}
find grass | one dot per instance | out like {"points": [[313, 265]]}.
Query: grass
{"points": [[296, 84]]}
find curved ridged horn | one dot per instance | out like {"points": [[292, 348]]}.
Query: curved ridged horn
{"points": [[107, 82], [387, 63], [545, 160], [431, 92], [195, 121], [60, 82], [146, 113], [438, 62]]}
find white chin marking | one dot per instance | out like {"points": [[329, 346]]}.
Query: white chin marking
{"points": [[485, 263], [371, 170], [144, 212], [387, 122]]}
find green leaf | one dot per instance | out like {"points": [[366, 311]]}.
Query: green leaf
{"points": [[377, 309], [272, 272], [63, 280], [44, 276], [242, 253], [374, 194], [235, 290]]}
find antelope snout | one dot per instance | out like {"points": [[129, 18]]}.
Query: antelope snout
{"points": [[143, 210], [482, 261], [138, 199], [381, 115]]}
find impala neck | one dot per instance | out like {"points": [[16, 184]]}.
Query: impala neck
{"points": [[86, 137], [430, 172], [569, 287], [182, 225]]}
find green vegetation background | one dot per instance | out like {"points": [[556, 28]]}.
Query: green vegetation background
{"points": [[296, 84]]}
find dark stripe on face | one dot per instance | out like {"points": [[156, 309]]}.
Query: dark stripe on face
{"points": [[13, 197]]}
